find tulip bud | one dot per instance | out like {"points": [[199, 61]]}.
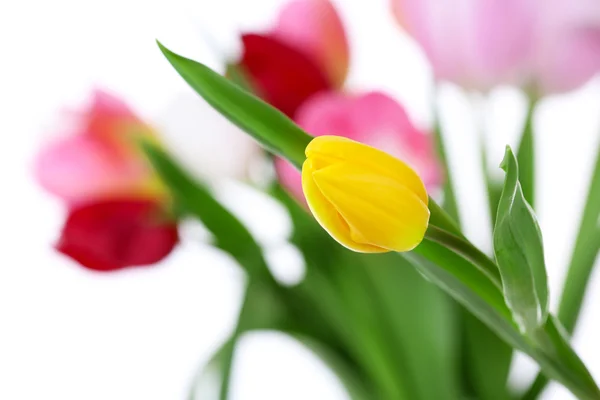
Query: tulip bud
{"points": [[367, 200]]}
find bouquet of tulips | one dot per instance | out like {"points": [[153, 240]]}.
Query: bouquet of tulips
{"points": [[396, 300]]}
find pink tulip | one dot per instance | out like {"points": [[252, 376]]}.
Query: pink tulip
{"points": [[372, 118], [100, 157], [547, 46], [314, 27]]}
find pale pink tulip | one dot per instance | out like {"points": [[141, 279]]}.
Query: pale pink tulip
{"points": [[545, 46], [372, 118], [475, 43], [314, 28], [568, 44]]}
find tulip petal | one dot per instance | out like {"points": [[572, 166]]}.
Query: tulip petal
{"points": [[328, 216], [116, 234], [314, 27], [379, 210], [83, 167], [569, 60], [370, 158], [101, 157], [475, 43], [283, 76]]}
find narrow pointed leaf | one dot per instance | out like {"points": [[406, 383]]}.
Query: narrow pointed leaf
{"points": [[195, 199], [266, 124], [519, 253]]}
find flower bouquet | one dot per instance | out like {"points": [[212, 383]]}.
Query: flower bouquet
{"points": [[396, 299]]}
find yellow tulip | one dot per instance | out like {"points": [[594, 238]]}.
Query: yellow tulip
{"points": [[367, 200]]}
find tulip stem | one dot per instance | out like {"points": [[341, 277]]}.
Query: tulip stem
{"points": [[587, 245], [450, 204], [467, 250], [443, 230], [584, 254], [442, 219], [526, 156]]}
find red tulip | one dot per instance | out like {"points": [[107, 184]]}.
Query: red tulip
{"points": [[117, 205], [315, 28], [306, 53], [114, 234], [282, 75]]}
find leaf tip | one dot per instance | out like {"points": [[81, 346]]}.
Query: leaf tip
{"points": [[166, 52], [508, 159]]}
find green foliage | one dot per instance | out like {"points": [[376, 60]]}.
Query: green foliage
{"points": [[340, 303], [526, 156], [519, 253], [266, 124]]}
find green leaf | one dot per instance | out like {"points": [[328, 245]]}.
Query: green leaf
{"points": [[450, 204], [487, 361], [230, 234], [462, 270], [584, 254], [452, 269], [386, 298], [421, 322], [267, 125], [580, 268], [519, 253], [555, 357]]}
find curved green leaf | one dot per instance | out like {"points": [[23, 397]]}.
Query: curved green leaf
{"points": [[194, 198], [519, 253], [266, 124]]}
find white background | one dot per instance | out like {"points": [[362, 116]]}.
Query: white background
{"points": [[69, 334]]}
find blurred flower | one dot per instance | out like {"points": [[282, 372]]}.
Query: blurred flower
{"points": [[314, 27], [475, 43], [306, 53], [548, 46], [367, 200], [112, 234], [281, 75], [100, 157], [568, 46], [372, 118], [115, 200]]}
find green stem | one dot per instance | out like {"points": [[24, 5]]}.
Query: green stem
{"points": [[550, 348], [463, 247], [536, 388], [584, 255], [442, 219], [526, 156], [580, 269], [450, 204], [229, 350], [493, 187]]}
